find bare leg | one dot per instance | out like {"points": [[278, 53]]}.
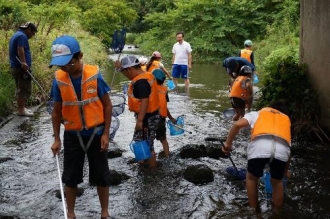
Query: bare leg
{"points": [[252, 190], [165, 147], [103, 192], [71, 193], [20, 104], [175, 80], [152, 160], [277, 186]]}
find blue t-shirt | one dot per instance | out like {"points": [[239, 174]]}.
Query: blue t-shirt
{"points": [[241, 62], [102, 89], [19, 39]]}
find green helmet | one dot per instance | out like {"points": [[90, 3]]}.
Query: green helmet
{"points": [[248, 43]]}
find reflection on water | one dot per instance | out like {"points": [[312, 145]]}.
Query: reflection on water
{"points": [[29, 181]]}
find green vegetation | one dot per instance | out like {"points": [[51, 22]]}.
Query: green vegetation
{"points": [[215, 29]]}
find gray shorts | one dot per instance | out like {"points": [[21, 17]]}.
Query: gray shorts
{"points": [[23, 83]]}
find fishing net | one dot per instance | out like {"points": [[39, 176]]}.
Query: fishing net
{"points": [[239, 173], [118, 40], [113, 127], [118, 103]]}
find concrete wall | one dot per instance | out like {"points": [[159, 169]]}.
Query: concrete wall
{"points": [[315, 48]]}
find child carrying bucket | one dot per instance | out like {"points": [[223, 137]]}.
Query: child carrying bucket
{"points": [[163, 110]]}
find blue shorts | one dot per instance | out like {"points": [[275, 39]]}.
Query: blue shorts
{"points": [[180, 71]]}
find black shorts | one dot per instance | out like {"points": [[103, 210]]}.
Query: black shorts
{"points": [[237, 103], [161, 130], [256, 167], [74, 157], [150, 125]]}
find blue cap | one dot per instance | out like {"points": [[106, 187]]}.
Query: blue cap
{"points": [[159, 74], [63, 49]]}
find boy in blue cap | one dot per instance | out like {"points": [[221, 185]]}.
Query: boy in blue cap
{"points": [[163, 110], [82, 101]]}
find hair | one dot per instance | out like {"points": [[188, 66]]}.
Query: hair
{"points": [[280, 105], [180, 32], [151, 60], [76, 55]]}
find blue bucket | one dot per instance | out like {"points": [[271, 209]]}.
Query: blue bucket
{"points": [[255, 79], [175, 128], [268, 186], [141, 150], [170, 84]]}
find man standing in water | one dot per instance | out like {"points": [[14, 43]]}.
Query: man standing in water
{"points": [[181, 60], [81, 100], [20, 63]]}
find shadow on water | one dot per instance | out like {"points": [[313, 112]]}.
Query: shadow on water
{"points": [[29, 181]]}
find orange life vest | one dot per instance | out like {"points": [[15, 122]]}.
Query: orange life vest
{"points": [[144, 67], [155, 64], [134, 103], [237, 89], [162, 91], [272, 122], [246, 53], [87, 112]]}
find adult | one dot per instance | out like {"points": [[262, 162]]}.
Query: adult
{"points": [[234, 64], [247, 52], [82, 102], [20, 65], [270, 144], [143, 100], [181, 60]]}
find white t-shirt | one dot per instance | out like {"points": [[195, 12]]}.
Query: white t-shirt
{"points": [[261, 147], [181, 53]]}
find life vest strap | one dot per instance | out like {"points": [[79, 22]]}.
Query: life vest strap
{"points": [[96, 129], [80, 103]]}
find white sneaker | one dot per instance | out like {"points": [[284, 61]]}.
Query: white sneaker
{"points": [[26, 112]]}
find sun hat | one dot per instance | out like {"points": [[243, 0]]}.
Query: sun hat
{"points": [[156, 54], [159, 74], [245, 70], [63, 49], [129, 61], [248, 43], [143, 60], [29, 25]]}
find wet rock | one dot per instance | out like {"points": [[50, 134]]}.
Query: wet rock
{"points": [[117, 177], [114, 153], [198, 174], [58, 193], [4, 159], [215, 152], [193, 151], [8, 217]]}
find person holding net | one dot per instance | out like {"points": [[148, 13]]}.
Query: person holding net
{"points": [[82, 102], [270, 144]]}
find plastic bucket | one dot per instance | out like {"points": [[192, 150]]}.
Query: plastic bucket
{"points": [[170, 84], [141, 150], [255, 79], [175, 128], [268, 186]]}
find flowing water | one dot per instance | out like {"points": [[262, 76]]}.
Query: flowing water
{"points": [[29, 181]]}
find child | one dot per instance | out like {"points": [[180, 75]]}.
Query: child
{"points": [[241, 92], [163, 110], [155, 62], [270, 143], [143, 63]]}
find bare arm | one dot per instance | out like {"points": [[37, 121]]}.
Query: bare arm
{"points": [[189, 60], [21, 56], [166, 72], [173, 58], [233, 132], [142, 113], [56, 120], [249, 89]]}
